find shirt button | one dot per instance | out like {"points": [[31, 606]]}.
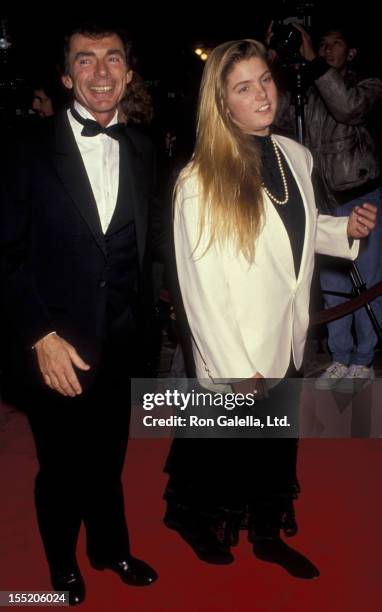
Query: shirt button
{"points": [[102, 284]]}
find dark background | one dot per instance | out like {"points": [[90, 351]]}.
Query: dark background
{"points": [[164, 37]]}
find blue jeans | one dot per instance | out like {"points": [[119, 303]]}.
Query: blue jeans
{"points": [[334, 276]]}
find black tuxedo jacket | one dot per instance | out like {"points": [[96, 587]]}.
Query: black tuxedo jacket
{"points": [[55, 259]]}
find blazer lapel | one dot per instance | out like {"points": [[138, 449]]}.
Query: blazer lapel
{"points": [[70, 167], [278, 237], [301, 180]]}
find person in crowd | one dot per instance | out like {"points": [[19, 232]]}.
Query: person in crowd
{"points": [[77, 290], [42, 103], [246, 230], [136, 106], [339, 105], [49, 95]]}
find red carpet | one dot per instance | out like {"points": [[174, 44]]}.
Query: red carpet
{"points": [[339, 514]]}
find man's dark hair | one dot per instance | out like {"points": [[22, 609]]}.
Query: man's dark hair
{"points": [[94, 30], [48, 80], [346, 31]]}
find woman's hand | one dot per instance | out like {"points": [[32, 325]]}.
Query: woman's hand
{"points": [[249, 386], [362, 221]]}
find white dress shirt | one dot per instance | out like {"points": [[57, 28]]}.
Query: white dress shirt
{"points": [[100, 155]]}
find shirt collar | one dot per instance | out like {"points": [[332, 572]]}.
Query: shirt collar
{"points": [[86, 115]]}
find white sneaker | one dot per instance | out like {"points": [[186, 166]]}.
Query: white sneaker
{"points": [[358, 377], [332, 376]]}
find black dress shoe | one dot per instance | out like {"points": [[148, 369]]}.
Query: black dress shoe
{"points": [[132, 571], [276, 551], [72, 582]]}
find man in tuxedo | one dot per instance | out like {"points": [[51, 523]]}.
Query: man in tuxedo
{"points": [[76, 278]]}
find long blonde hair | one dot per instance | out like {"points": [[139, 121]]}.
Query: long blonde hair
{"points": [[227, 161]]}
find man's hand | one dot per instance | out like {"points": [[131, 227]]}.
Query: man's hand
{"points": [[56, 358], [307, 50], [269, 34], [272, 54], [362, 221]]}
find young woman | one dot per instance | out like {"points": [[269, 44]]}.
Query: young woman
{"points": [[246, 230]]}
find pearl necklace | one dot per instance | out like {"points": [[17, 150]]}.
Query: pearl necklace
{"points": [[272, 197]]}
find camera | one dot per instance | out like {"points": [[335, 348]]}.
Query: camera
{"points": [[286, 39]]}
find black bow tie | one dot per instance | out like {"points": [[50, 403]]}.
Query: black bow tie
{"points": [[92, 128]]}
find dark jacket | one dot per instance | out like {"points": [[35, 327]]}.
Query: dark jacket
{"points": [[336, 116], [59, 271]]}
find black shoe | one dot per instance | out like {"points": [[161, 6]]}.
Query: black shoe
{"points": [[200, 537], [72, 582], [132, 571], [208, 549], [288, 520], [276, 551]]}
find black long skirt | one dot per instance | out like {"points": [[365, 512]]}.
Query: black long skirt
{"points": [[222, 485]]}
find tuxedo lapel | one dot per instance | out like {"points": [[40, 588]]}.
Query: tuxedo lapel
{"points": [[130, 191], [70, 167], [124, 207]]}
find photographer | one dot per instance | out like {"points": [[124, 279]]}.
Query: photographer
{"points": [[337, 107]]}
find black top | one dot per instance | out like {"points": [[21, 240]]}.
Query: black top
{"points": [[292, 213]]}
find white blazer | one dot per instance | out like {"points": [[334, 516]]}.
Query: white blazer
{"points": [[246, 318]]}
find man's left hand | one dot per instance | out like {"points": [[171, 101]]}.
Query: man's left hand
{"points": [[362, 221], [307, 50]]}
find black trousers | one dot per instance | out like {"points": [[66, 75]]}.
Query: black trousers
{"points": [[81, 444]]}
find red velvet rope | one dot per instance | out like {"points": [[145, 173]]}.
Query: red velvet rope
{"points": [[324, 316]]}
